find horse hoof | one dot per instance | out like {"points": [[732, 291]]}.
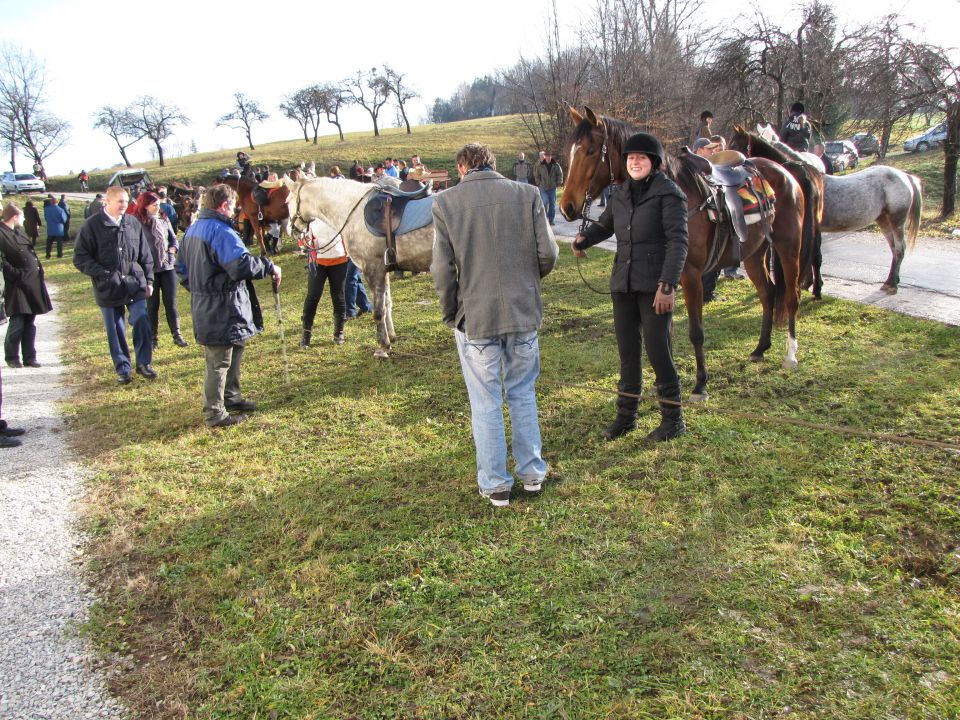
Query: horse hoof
{"points": [[790, 364], [381, 354], [699, 397], [889, 289], [756, 358]]}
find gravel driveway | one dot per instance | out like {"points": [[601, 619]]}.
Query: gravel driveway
{"points": [[46, 670]]}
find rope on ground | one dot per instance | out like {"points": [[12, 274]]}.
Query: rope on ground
{"points": [[754, 417]]}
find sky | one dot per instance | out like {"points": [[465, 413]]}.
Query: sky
{"points": [[196, 55]]}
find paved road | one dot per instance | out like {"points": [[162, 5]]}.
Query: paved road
{"points": [[856, 264]]}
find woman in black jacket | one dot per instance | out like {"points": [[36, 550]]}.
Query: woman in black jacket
{"points": [[26, 294], [648, 214]]}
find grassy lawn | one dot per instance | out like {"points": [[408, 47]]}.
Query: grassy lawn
{"points": [[331, 558]]}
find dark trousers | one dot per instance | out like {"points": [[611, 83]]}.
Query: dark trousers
{"points": [[115, 323], [59, 240], [317, 276], [165, 284], [21, 337], [635, 321]]}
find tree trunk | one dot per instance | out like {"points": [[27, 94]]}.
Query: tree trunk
{"points": [[405, 121], [951, 148], [340, 131], [159, 152], [376, 128], [13, 158], [306, 135], [250, 140], [123, 154]]}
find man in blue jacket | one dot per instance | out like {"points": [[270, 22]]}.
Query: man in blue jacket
{"points": [[113, 250], [56, 219], [217, 269]]}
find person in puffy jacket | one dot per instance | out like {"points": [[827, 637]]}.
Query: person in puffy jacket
{"points": [[112, 248], [217, 269], [56, 220], [648, 214], [796, 131]]}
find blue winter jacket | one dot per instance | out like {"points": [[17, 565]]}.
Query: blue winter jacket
{"points": [[55, 218], [216, 267]]}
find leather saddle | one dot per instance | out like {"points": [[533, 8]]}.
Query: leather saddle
{"points": [[395, 211]]}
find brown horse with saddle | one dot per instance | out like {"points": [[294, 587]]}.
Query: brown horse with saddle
{"points": [[770, 246], [272, 208]]}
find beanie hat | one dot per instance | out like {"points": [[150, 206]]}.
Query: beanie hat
{"points": [[10, 210], [797, 108]]}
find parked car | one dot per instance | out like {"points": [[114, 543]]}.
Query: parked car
{"points": [[130, 177], [21, 182], [866, 144], [928, 139], [842, 153]]}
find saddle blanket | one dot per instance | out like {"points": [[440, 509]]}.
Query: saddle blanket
{"points": [[758, 199], [416, 214]]}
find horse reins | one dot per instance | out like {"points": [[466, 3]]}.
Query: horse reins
{"points": [[588, 201], [332, 242]]}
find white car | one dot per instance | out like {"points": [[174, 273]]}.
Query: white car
{"points": [[931, 138], [21, 182]]}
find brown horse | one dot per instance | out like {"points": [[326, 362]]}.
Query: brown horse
{"points": [[811, 183], [595, 162], [275, 209]]}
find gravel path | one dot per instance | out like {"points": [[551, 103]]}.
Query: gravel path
{"points": [[46, 670]]}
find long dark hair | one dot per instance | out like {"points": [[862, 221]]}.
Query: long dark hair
{"points": [[143, 200]]}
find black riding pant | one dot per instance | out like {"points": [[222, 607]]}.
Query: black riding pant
{"points": [[165, 286], [635, 321], [59, 241], [317, 275]]}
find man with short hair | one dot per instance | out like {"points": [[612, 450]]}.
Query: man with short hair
{"points": [[818, 150], [95, 206], [389, 169], [217, 269], [112, 248], [549, 176], [492, 246], [521, 169], [705, 147]]}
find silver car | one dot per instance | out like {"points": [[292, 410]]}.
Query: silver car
{"points": [[21, 182], [923, 142]]}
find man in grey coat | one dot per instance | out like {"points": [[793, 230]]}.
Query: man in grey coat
{"points": [[549, 176], [492, 247]]}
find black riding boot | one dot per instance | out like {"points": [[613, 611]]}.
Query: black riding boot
{"points": [[338, 323], [305, 338], [178, 338], [671, 415], [626, 413]]}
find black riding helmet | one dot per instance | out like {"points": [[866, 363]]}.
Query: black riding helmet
{"points": [[646, 144], [797, 108]]}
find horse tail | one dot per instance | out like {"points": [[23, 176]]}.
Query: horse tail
{"points": [[916, 208], [808, 244]]}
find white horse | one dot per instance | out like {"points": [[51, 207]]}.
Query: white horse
{"points": [[891, 198], [339, 204], [767, 132]]}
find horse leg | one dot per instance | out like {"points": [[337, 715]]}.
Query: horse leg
{"points": [[818, 266], [378, 286], [898, 247], [792, 301], [755, 271], [388, 312], [692, 282]]}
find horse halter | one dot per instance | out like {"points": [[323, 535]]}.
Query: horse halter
{"points": [[587, 197]]}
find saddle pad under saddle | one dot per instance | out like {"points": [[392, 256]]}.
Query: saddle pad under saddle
{"points": [[414, 214], [758, 199]]}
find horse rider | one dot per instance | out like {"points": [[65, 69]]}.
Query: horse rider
{"points": [[797, 130]]}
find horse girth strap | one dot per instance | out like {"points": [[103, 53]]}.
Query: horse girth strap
{"points": [[390, 253]]}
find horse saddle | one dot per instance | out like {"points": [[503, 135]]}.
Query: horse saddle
{"points": [[396, 211]]}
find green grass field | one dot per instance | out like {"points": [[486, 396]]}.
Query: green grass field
{"points": [[331, 558]]}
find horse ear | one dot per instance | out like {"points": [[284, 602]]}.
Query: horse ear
{"points": [[575, 116], [591, 117]]}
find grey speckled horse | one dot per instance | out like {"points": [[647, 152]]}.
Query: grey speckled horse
{"points": [[885, 195]]}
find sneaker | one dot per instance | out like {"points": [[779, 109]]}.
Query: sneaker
{"points": [[735, 275], [497, 499], [229, 420], [31, 363], [9, 442], [147, 371], [532, 486], [338, 339], [241, 406], [124, 379]]}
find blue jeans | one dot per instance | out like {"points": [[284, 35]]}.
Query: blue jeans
{"points": [[505, 364], [115, 322], [549, 198], [354, 294]]}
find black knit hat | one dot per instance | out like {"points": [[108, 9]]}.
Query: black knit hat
{"points": [[797, 108]]}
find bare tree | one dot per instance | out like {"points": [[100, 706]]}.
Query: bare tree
{"points": [[401, 93], [24, 121], [245, 112], [370, 91], [118, 124], [331, 99], [156, 120], [296, 106]]}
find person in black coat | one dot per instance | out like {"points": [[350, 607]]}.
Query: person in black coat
{"points": [[648, 214], [25, 294]]}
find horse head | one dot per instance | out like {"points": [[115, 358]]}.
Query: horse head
{"points": [[591, 162], [766, 131]]}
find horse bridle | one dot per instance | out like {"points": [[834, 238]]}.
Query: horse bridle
{"points": [[588, 198], [333, 240]]}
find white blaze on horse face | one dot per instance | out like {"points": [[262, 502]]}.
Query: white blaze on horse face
{"points": [[573, 152]]}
